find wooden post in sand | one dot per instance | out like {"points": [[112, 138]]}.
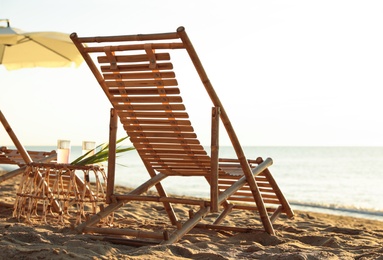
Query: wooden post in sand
{"points": [[214, 159], [111, 155]]}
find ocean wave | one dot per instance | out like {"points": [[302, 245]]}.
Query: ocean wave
{"points": [[341, 209]]}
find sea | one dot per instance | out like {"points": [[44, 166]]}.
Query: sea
{"points": [[335, 180]]}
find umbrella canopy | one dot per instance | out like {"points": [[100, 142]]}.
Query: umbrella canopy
{"points": [[20, 49]]}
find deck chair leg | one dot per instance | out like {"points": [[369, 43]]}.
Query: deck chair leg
{"points": [[276, 214], [187, 226], [111, 155], [224, 213], [285, 204]]}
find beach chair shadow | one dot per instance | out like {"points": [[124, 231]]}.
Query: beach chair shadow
{"points": [[137, 76]]}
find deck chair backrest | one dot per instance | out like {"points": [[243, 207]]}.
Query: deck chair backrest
{"points": [[138, 79]]}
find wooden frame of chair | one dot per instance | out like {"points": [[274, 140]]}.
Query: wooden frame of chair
{"points": [[141, 89]]}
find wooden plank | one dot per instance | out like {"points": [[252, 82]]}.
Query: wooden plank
{"points": [[135, 47], [174, 135], [159, 128], [146, 99], [170, 146], [111, 155], [134, 58], [214, 159], [139, 75], [175, 200], [136, 67], [142, 83], [201, 160], [152, 114], [248, 199], [252, 208], [163, 140], [125, 232], [119, 38], [226, 228], [153, 157], [186, 173], [171, 122], [160, 163], [257, 161], [231, 181], [183, 170], [176, 107], [143, 91], [175, 152], [181, 167]]}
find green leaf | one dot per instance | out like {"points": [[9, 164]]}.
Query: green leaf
{"points": [[101, 155]]}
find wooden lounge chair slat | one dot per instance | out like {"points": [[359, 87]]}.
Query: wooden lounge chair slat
{"points": [[136, 67], [136, 47], [186, 173], [163, 134], [155, 157], [135, 37], [163, 140], [250, 207], [175, 152], [142, 83], [153, 114], [159, 128], [146, 99], [180, 164], [156, 122], [139, 75], [134, 58], [150, 107], [189, 158], [143, 91], [170, 146]]}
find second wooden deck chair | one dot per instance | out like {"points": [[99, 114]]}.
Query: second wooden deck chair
{"points": [[137, 76]]}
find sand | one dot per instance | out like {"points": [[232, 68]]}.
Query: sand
{"points": [[308, 236]]}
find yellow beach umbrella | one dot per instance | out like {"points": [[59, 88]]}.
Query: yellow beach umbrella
{"points": [[20, 49]]}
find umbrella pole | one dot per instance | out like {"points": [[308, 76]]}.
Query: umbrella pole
{"points": [[24, 154]]}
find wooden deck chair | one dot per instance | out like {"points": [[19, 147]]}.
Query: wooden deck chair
{"points": [[14, 157], [137, 76]]}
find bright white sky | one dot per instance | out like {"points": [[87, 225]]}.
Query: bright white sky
{"points": [[287, 72]]}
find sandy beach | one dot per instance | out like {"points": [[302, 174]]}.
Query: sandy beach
{"points": [[308, 236]]}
